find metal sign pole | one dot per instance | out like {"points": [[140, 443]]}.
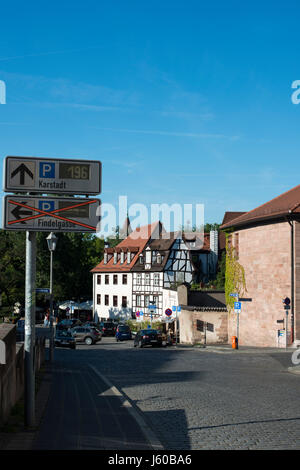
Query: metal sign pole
{"points": [[237, 325], [286, 328], [29, 342], [51, 308]]}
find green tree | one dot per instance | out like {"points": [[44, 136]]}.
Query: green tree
{"points": [[12, 267]]}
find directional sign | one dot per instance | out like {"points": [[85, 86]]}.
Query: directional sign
{"points": [[233, 294], [48, 175], [40, 290], [44, 214]]}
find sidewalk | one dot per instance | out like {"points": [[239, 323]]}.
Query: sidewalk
{"points": [[228, 348], [78, 409]]}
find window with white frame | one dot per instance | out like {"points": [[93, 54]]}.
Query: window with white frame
{"points": [[156, 279], [147, 279], [139, 279], [138, 301]]}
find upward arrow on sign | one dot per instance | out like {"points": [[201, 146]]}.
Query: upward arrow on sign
{"points": [[22, 169]]}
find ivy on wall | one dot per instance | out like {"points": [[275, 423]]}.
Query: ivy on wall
{"points": [[234, 275]]}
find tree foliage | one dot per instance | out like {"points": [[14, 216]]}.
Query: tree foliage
{"points": [[75, 255]]}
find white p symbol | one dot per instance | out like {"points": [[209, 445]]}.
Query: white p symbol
{"points": [[296, 357], [46, 169]]}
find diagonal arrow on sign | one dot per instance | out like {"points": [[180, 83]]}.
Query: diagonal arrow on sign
{"points": [[51, 213], [22, 169]]}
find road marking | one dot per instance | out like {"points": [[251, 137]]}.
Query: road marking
{"points": [[147, 432]]}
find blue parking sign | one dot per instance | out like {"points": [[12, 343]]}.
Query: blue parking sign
{"points": [[46, 206], [47, 170], [237, 305]]}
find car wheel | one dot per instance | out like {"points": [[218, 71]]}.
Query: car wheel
{"points": [[88, 340]]}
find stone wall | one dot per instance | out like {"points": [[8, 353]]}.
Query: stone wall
{"points": [[190, 320], [297, 280], [12, 372], [264, 252]]}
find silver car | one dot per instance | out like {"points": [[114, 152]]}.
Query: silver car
{"points": [[86, 334]]}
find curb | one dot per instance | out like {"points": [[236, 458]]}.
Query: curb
{"points": [[133, 410], [294, 370]]}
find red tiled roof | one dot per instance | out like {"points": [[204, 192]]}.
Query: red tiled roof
{"points": [[286, 204], [229, 216], [134, 243]]}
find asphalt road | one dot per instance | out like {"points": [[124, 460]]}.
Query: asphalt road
{"points": [[183, 399]]}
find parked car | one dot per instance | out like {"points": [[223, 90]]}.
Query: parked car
{"points": [[108, 328], [92, 325], [86, 334], [123, 332], [147, 337], [64, 338], [68, 323]]}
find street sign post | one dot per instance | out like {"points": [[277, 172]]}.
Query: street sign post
{"points": [[65, 177], [51, 214], [50, 175]]}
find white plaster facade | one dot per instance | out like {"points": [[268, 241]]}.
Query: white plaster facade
{"points": [[109, 292]]}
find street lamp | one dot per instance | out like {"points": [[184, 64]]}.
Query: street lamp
{"points": [[52, 242]]}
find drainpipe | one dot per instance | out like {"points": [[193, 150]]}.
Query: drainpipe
{"points": [[291, 222]]}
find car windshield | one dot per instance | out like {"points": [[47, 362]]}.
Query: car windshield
{"points": [[64, 333], [123, 328]]}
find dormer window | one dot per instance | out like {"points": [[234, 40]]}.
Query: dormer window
{"points": [[128, 257], [159, 258], [122, 257], [115, 257], [141, 259], [148, 256], [105, 258]]}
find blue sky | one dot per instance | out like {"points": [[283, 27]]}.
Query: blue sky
{"points": [[184, 102]]}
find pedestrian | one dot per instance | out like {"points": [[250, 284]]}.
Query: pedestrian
{"points": [[45, 320]]}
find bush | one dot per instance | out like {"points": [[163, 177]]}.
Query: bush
{"points": [[138, 325]]}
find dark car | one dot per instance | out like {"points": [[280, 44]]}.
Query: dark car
{"points": [[123, 332], [64, 338], [108, 328], [86, 334], [147, 337]]}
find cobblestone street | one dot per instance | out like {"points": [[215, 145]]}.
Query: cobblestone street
{"points": [[199, 399]]}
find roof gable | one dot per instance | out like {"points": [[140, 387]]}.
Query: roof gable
{"points": [[285, 204]]}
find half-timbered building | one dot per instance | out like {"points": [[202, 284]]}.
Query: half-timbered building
{"points": [[152, 265]]}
